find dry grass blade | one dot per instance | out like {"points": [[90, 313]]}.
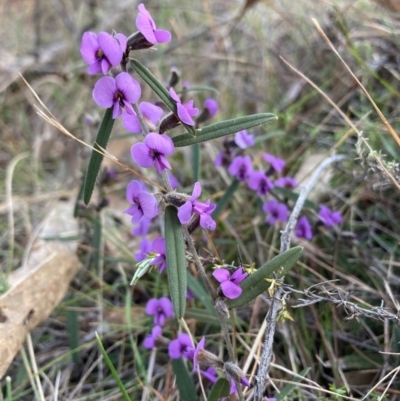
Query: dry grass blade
{"points": [[359, 133], [382, 117]]}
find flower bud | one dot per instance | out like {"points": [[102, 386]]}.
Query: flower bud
{"points": [[169, 122]]}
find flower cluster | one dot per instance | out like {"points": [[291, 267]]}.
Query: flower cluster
{"points": [[240, 166]]}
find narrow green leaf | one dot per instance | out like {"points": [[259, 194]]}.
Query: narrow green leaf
{"points": [[255, 284], [222, 128], [290, 387], [9, 389], [112, 369], [184, 382], [159, 89], [102, 137], [219, 390], [202, 315], [226, 197], [97, 234], [78, 198], [176, 261], [200, 293], [196, 162]]}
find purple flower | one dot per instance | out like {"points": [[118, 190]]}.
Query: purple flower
{"points": [[328, 217], [303, 228], [276, 163], [210, 374], [241, 167], [222, 159], [147, 27], [150, 112], [159, 248], [143, 226], [243, 139], [212, 107], [277, 211], [286, 182], [145, 248], [181, 346], [199, 347], [118, 92], [185, 211], [102, 51], [150, 340], [230, 283], [143, 203], [189, 295], [185, 111], [161, 309], [153, 151], [259, 182]]}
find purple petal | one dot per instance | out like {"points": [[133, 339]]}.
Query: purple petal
{"points": [[162, 163], [174, 96], [149, 342], [151, 112], [105, 66], [243, 139], [212, 106], [140, 153], [145, 24], [110, 47], [152, 306], [117, 110], [167, 307], [196, 191], [183, 114], [238, 276], [131, 123], [123, 40], [160, 143], [89, 47], [162, 36], [128, 86], [104, 91], [221, 275], [148, 204], [185, 212], [159, 245], [174, 349], [95, 68], [230, 290], [199, 347], [133, 190], [207, 222]]}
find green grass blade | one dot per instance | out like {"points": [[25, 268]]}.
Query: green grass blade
{"points": [[78, 198], [184, 382], [8, 389], [176, 261], [226, 197], [196, 162], [290, 387], [112, 369], [73, 334], [102, 138], [159, 89], [200, 293], [222, 128], [219, 390], [255, 284], [97, 234]]}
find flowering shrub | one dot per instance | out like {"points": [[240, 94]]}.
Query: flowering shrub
{"points": [[120, 93]]}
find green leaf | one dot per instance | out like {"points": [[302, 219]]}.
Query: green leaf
{"points": [[78, 198], [113, 370], [222, 128], [102, 137], [255, 284], [219, 390], [201, 294], [202, 315], [290, 387], [226, 197], [196, 162], [159, 89], [176, 261], [184, 382]]}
